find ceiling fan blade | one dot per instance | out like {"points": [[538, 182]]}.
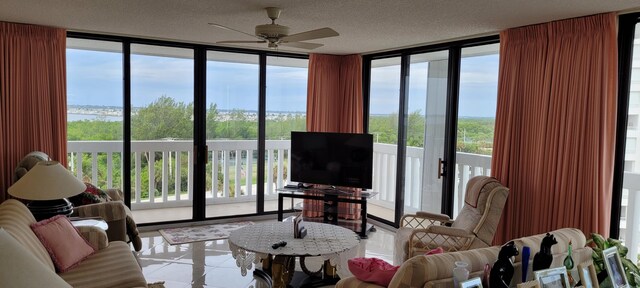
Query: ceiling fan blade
{"points": [[303, 45], [231, 29], [312, 34], [240, 41]]}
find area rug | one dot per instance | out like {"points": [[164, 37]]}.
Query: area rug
{"points": [[201, 233], [159, 284]]}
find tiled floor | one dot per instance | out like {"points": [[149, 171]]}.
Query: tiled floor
{"points": [[210, 264]]}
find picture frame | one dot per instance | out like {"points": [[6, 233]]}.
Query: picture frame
{"points": [[471, 283], [588, 276], [613, 265], [529, 284], [552, 278]]}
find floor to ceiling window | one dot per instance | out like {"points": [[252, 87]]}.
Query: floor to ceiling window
{"points": [[442, 100], [477, 106], [426, 107], [95, 111], [232, 132], [383, 125], [629, 222], [147, 91], [286, 110], [162, 130]]}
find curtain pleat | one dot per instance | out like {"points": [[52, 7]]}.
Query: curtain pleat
{"points": [[555, 125], [334, 104], [33, 95]]}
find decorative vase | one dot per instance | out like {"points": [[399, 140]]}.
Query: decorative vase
{"points": [[526, 252], [460, 273], [568, 263]]}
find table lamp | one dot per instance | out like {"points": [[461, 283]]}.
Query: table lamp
{"points": [[47, 184]]}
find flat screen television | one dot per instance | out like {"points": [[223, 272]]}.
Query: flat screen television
{"points": [[336, 159]]}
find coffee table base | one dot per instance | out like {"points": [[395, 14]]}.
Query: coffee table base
{"points": [[280, 271]]}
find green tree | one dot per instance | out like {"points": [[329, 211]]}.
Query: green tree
{"points": [[212, 121], [384, 128], [99, 129], [415, 129], [164, 118], [475, 135]]}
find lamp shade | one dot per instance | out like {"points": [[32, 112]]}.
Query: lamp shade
{"points": [[47, 180]]}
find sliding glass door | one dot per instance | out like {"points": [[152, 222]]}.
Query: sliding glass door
{"points": [[232, 133], [426, 118], [432, 116], [162, 132], [286, 111], [477, 106], [384, 100], [95, 111]]}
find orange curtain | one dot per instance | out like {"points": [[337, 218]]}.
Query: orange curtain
{"points": [[334, 104], [555, 126], [334, 94], [33, 98]]}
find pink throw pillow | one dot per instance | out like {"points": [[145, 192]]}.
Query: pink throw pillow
{"points": [[438, 250], [63, 242], [372, 270]]}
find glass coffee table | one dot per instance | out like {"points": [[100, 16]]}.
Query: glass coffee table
{"points": [[254, 245]]}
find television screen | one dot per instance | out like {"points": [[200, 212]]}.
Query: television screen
{"points": [[337, 159]]}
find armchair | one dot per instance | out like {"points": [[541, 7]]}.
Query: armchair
{"points": [[474, 227], [122, 227]]}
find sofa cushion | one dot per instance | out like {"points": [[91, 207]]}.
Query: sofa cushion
{"points": [[16, 219], [419, 270], [20, 268], [117, 267], [64, 243]]}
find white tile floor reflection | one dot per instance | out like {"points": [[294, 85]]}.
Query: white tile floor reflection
{"points": [[210, 264]]}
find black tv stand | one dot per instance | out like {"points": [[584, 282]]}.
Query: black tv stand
{"points": [[331, 197]]}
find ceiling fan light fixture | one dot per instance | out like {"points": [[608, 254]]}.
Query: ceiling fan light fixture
{"points": [[272, 31]]}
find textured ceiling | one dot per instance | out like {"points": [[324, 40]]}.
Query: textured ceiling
{"points": [[365, 26]]}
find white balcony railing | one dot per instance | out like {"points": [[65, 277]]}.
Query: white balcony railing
{"points": [[234, 161]]}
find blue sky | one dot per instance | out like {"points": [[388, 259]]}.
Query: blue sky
{"points": [[95, 78], [478, 87]]}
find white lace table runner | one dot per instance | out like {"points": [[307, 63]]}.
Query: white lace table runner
{"points": [[250, 244]]}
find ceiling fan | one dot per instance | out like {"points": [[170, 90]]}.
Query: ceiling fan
{"points": [[278, 35]]}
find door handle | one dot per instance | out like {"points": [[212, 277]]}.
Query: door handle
{"points": [[442, 168]]}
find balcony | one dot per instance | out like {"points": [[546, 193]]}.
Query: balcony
{"points": [[234, 172]]}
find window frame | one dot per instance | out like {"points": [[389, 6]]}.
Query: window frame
{"points": [[199, 137], [453, 88], [626, 34]]}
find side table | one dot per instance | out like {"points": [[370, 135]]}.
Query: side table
{"points": [[331, 198]]}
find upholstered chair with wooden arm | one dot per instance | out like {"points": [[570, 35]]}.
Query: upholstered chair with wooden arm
{"points": [[118, 216], [474, 227]]}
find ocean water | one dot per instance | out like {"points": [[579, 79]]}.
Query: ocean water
{"points": [[80, 117]]}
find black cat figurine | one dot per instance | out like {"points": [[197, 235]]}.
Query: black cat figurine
{"points": [[502, 270], [542, 260]]}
